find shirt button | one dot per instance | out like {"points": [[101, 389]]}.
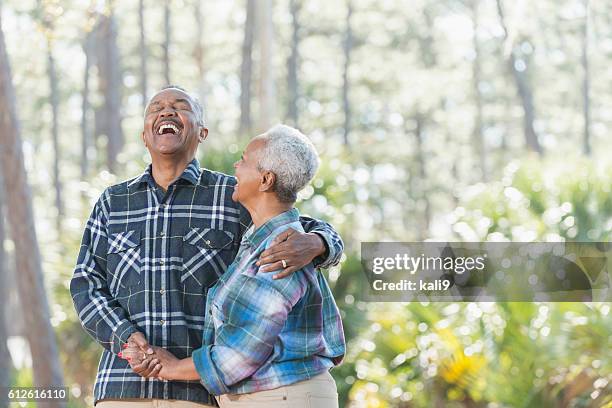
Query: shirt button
{"points": [[162, 234], [162, 322], [161, 291], [207, 242], [162, 262]]}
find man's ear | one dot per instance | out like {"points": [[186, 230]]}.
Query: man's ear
{"points": [[142, 136], [267, 181], [203, 134]]}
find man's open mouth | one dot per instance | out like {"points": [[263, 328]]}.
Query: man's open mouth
{"points": [[168, 127]]}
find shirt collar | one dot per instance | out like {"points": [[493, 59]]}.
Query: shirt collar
{"points": [[256, 236], [191, 174]]}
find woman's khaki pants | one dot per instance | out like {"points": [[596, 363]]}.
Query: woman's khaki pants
{"points": [[318, 392], [148, 403]]}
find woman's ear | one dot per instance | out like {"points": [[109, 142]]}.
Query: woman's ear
{"points": [[267, 181]]}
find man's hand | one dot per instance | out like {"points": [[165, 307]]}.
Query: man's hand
{"points": [[297, 249], [168, 362]]}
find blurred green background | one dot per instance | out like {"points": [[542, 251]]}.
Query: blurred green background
{"points": [[473, 120]]}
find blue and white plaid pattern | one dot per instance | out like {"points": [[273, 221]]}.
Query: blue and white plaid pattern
{"points": [[262, 333], [146, 262]]}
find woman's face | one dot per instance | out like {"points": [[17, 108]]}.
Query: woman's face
{"points": [[249, 178]]}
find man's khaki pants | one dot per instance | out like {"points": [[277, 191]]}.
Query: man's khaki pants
{"points": [[148, 403], [318, 392]]}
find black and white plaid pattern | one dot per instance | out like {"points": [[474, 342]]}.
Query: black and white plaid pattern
{"points": [[146, 262]]}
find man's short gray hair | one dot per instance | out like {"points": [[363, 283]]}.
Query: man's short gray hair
{"points": [[292, 157], [198, 109]]}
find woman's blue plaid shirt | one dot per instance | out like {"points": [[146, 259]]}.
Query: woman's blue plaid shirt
{"points": [[263, 333]]}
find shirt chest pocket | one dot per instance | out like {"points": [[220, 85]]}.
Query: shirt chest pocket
{"points": [[124, 260], [206, 255]]}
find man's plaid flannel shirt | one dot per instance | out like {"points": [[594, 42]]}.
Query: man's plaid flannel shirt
{"points": [[146, 262]]}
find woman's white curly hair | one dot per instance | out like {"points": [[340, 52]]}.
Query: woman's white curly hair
{"points": [[292, 157]]}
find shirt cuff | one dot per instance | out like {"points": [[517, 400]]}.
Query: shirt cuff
{"points": [[209, 378], [328, 258], [121, 334]]}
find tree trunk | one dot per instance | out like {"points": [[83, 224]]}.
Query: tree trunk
{"points": [[293, 63], [449, 140], [46, 365], [199, 51], [6, 365], [166, 46], [420, 158], [246, 68], [347, 47], [478, 132], [523, 88], [10, 310], [54, 102], [108, 121], [86, 142], [426, 40], [143, 54], [267, 91], [586, 104]]}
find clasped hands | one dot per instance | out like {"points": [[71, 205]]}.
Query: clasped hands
{"points": [[148, 361]]}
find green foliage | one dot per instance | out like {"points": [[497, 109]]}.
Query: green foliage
{"points": [[512, 354], [549, 201]]}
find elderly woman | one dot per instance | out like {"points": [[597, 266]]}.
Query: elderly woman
{"points": [[267, 341]]}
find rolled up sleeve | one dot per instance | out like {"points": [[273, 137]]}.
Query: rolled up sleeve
{"points": [[332, 240]]}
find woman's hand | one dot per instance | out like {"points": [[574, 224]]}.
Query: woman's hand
{"points": [[143, 364], [162, 364]]}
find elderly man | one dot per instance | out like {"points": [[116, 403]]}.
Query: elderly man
{"points": [[152, 248]]}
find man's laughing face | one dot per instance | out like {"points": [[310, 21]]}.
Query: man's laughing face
{"points": [[171, 125]]}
